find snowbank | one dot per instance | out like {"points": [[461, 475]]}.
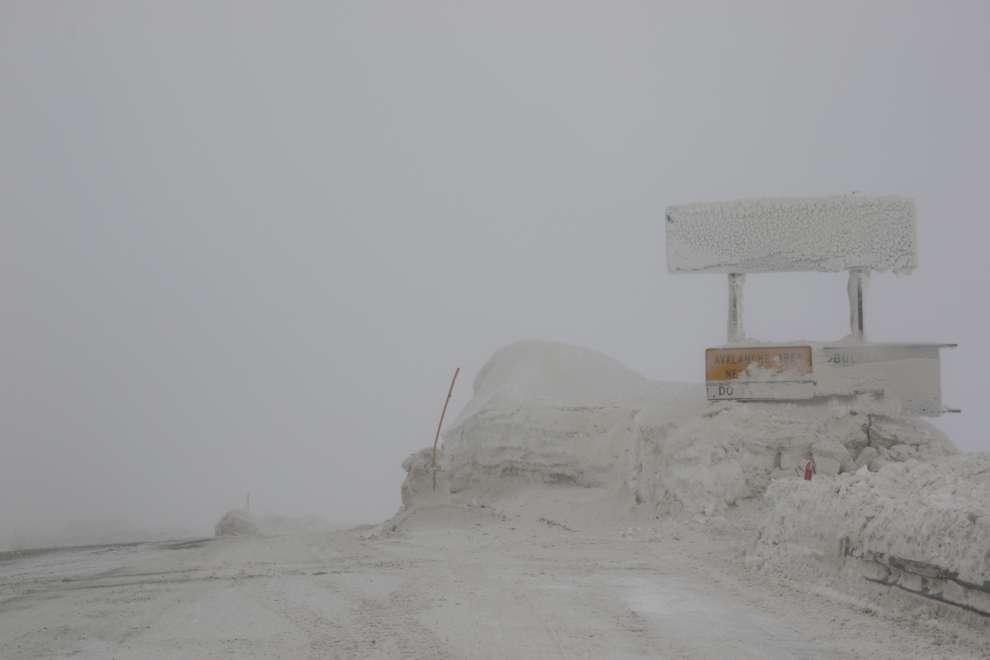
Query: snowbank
{"points": [[548, 412], [920, 527], [733, 450], [237, 522], [892, 502], [425, 485]]}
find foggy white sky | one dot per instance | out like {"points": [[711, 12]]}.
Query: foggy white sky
{"points": [[243, 247]]}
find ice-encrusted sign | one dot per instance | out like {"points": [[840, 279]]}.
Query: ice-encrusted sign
{"points": [[780, 234], [826, 234]]}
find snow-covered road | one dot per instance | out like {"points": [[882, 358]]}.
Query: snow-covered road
{"points": [[456, 582]]}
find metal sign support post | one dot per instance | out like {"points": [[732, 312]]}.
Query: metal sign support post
{"points": [[859, 284], [735, 326]]}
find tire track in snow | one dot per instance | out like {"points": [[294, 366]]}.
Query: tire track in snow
{"points": [[511, 623], [343, 618]]}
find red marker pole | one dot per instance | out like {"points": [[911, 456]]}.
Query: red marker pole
{"points": [[434, 464]]}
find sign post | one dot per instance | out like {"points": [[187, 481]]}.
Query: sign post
{"points": [[735, 325], [856, 233], [859, 282]]}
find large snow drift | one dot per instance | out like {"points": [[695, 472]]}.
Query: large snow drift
{"points": [[237, 522], [732, 451], [920, 527], [550, 412], [893, 507]]}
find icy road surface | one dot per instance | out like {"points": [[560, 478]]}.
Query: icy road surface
{"points": [[456, 583]]}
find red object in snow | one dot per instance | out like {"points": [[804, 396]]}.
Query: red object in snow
{"points": [[809, 470]]}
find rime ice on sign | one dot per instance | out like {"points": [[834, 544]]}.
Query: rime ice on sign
{"points": [[824, 234], [786, 234]]}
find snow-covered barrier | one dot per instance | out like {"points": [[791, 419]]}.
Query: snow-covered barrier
{"points": [[912, 527], [548, 412], [777, 234], [237, 522], [733, 450]]}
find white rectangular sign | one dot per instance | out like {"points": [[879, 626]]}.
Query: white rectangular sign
{"points": [[850, 356], [909, 374], [779, 234], [779, 390]]}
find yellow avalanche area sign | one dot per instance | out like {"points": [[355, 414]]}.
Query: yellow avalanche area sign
{"points": [[732, 363]]}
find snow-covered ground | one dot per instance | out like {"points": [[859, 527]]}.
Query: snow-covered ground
{"points": [[547, 572], [580, 511]]}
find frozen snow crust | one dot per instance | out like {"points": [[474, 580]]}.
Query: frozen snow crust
{"points": [[425, 484], [733, 451], [237, 522], [922, 527], [889, 491], [777, 234], [548, 412]]}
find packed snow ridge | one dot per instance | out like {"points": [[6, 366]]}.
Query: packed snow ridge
{"points": [[886, 485], [552, 413]]}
